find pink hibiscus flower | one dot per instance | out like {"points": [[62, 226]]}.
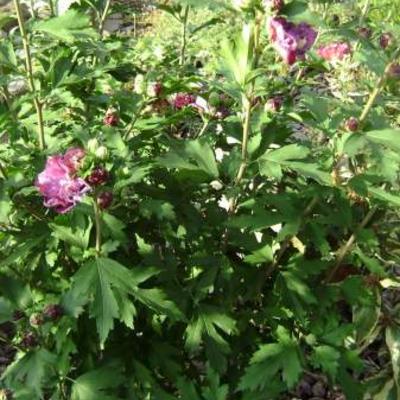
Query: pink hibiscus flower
{"points": [[291, 41], [61, 189], [334, 51]]}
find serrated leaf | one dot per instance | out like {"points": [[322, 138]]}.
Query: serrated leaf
{"points": [[158, 301], [195, 155], [72, 25], [271, 358], [93, 385], [327, 358], [76, 233], [204, 324], [386, 137], [31, 369], [298, 286], [262, 255], [101, 282], [382, 194], [272, 161]]}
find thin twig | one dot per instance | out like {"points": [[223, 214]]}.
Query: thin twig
{"points": [[104, 17], [364, 11], [184, 35], [29, 70], [342, 252], [381, 82], [285, 245], [97, 220], [3, 171]]}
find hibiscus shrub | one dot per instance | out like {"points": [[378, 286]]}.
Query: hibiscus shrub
{"points": [[204, 215]]}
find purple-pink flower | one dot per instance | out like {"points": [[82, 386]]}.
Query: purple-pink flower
{"points": [[182, 100], [334, 51], [73, 158], [59, 185], [275, 5], [291, 41]]}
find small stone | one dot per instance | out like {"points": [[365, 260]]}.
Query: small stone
{"points": [[319, 389], [304, 389]]}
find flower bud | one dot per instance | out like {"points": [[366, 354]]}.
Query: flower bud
{"points": [[139, 84], [222, 112], [394, 71], [53, 312], [352, 124], [111, 118], [105, 200], [98, 176], [92, 145], [365, 32], [154, 89], [36, 320], [274, 5], [182, 100], [29, 340], [386, 40], [102, 153], [73, 159], [274, 104]]}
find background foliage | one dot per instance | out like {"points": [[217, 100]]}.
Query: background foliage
{"points": [[250, 251]]}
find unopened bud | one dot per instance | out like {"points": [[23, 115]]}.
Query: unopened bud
{"points": [[385, 40], [92, 145], [139, 85], [102, 153], [394, 71], [365, 32], [36, 320], [352, 124]]}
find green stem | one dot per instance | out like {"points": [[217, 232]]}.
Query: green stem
{"points": [[3, 171], [378, 87], [104, 17], [203, 128], [285, 245], [244, 158], [246, 109], [97, 221], [364, 11], [341, 254], [184, 35], [245, 142], [52, 9], [29, 70]]}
